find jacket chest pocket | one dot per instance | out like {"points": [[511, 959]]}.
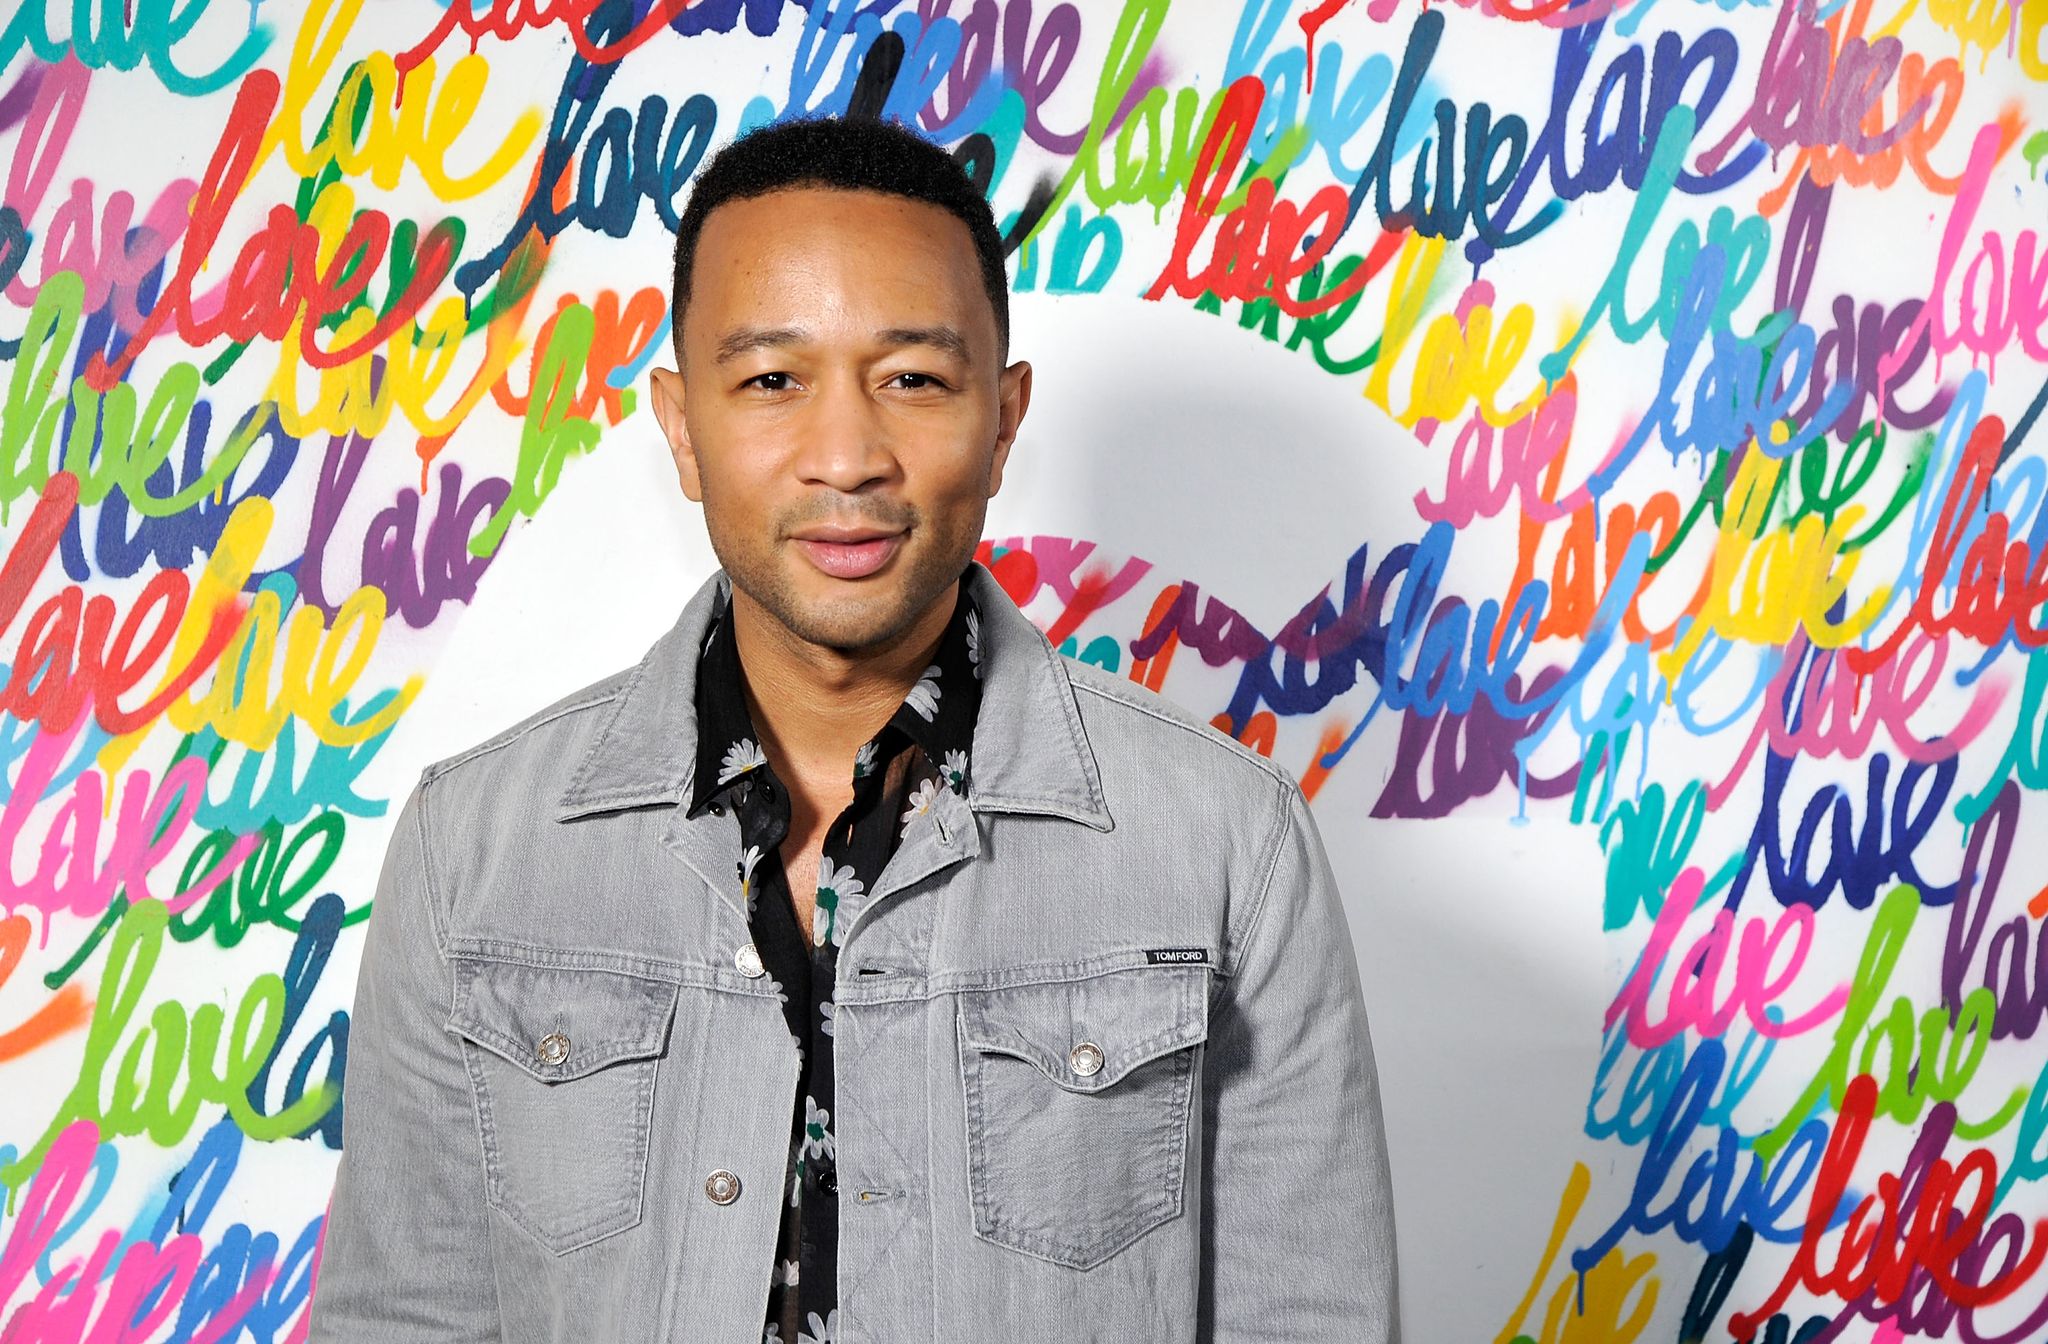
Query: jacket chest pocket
{"points": [[1079, 1099], [563, 1063]]}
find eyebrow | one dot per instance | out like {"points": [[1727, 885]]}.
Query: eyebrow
{"points": [[746, 339]]}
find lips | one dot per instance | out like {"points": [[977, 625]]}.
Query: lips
{"points": [[849, 559]]}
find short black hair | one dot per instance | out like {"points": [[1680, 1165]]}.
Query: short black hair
{"points": [[847, 154]]}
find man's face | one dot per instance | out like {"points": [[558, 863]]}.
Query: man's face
{"points": [[841, 411]]}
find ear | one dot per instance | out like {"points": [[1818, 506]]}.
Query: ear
{"points": [[1013, 399], [665, 391]]}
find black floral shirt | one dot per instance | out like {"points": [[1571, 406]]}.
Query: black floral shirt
{"points": [[896, 775]]}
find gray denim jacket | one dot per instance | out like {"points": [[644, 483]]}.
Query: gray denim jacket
{"points": [[557, 1069]]}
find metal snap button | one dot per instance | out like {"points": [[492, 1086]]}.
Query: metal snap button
{"points": [[721, 1187], [1085, 1058], [554, 1048], [748, 959]]}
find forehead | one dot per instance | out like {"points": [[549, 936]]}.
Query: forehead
{"points": [[818, 257]]}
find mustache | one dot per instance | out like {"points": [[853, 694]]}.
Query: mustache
{"points": [[892, 515]]}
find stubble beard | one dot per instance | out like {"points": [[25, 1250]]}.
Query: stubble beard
{"points": [[869, 616]]}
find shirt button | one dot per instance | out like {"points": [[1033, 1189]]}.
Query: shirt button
{"points": [[1085, 1059], [554, 1048], [721, 1187], [767, 792], [718, 809], [748, 959]]}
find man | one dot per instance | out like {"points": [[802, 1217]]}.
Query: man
{"points": [[855, 967]]}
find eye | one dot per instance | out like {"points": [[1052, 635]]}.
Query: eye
{"points": [[924, 381], [758, 378]]}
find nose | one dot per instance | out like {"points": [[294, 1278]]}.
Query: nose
{"points": [[845, 442]]}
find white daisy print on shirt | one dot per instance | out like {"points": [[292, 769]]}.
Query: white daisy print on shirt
{"points": [[974, 640], [924, 697], [954, 771], [864, 760], [825, 1016], [837, 884], [920, 803], [816, 1331], [817, 1129], [740, 757], [748, 862]]}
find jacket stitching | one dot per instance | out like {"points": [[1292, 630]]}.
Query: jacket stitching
{"points": [[1189, 1026], [604, 1217], [1077, 735], [654, 971], [480, 1112], [1211, 736], [1036, 973], [433, 901], [550, 957], [1159, 1206], [513, 734], [1234, 947], [589, 1058], [618, 701]]}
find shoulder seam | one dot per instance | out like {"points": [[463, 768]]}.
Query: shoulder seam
{"points": [[1270, 862], [513, 734], [1221, 741], [435, 916]]}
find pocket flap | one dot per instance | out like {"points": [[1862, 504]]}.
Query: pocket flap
{"points": [[558, 1022], [1130, 1016]]}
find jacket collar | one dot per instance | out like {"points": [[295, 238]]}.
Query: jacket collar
{"points": [[1030, 753]]}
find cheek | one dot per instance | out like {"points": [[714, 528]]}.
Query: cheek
{"points": [[738, 464], [954, 452], [955, 500], [735, 500]]}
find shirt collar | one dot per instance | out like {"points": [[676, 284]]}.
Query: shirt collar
{"points": [[937, 715]]}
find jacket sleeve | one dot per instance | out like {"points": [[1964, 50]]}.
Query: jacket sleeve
{"points": [[405, 1252], [1298, 1218]]}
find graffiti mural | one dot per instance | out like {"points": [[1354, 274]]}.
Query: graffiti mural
{"points": [[1699, 586]]}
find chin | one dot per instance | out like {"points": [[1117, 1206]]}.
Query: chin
{"points": [[849, 623], [844, 614]]}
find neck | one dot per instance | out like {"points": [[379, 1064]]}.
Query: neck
{"points": [[815, 706]]}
